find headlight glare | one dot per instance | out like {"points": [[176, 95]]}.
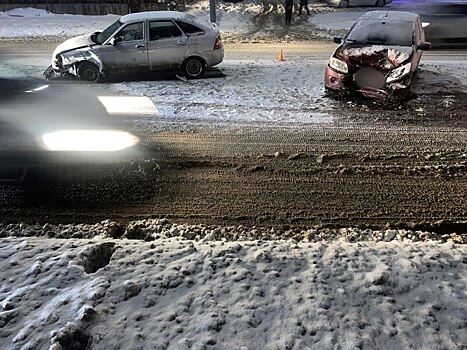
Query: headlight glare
{"points": [[338, 65], [88, 140]]}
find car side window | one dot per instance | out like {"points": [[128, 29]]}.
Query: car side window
{"points": [[132, 32], [190, 29], [163, 30]]}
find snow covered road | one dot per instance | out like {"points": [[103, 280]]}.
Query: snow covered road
{"points": [[181, 294]]}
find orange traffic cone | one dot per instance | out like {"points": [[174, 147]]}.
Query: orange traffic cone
{"points": [[281, 56]]}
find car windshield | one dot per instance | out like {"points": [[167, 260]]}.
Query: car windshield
{"points": [[382, 33], [102, 37]]}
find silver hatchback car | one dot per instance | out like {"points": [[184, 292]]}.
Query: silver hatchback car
{"points": [[158, 40]]}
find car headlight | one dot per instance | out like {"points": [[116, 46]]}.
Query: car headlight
{"points": [[399, 73], [88, 140], [69, 59], [338, 65]]}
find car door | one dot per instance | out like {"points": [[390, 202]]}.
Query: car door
{"points": [[167, 45], [128, 51]]}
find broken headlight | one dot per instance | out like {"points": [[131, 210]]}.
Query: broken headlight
{"points": [[398, 73], [72, 58], [338, 65]]}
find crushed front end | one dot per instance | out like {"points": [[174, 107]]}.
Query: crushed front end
{"points": [[375, 71]]}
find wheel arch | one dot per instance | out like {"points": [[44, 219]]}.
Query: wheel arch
{"points": [[197, 56]]}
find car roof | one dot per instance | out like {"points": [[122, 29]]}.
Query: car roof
{"points": [[142, 16], [389, 16]]}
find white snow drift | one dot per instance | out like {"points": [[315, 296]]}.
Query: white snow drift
{"points": [[181, 294]]}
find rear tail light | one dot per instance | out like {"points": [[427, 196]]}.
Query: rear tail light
{"points": [[218, 43]]}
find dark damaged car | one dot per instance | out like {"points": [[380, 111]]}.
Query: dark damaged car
{"points": [[379, 56]]}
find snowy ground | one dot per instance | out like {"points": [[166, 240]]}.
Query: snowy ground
{"points": [[175, 293], [265, 91]]}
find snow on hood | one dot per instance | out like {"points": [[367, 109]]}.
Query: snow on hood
{"points": [[74, 43], [378, 56]]}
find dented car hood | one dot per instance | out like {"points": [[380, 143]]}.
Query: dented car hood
{"points": [[378, 56], [73, 44]]}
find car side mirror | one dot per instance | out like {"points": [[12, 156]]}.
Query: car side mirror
{"points": [[115, 40], [424, 46], [337, 40]]}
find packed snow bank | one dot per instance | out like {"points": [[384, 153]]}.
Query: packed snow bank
{"points": [[35, 23], [154, 229], [27, 12], [232, 18], [180, 294]]}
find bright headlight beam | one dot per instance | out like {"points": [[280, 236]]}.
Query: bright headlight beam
{"points": [[88, 140], [127, 105], [40, 88]]}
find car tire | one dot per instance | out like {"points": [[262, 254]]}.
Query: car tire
{"points": [[194, 68], [344, 3], [88, 71], [380, 3]]}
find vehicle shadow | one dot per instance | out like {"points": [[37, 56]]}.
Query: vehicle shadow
{"points": [[211, 73]]}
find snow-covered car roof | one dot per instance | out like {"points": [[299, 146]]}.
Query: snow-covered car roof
{"points": [[392, 16], [142, 16]]}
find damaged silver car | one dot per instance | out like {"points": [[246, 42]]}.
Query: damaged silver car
{"points": [[146, 41], [379, 56]]}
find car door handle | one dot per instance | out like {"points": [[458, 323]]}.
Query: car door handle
{"points": [[140, 46]]}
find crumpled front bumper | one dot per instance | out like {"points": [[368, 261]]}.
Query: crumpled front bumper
{"points": [[344, 83]]}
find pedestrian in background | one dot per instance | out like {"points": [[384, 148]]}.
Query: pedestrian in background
{"points": [[288, 12], [303, 4]]}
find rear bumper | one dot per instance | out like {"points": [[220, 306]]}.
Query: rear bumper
{"points": [[214, 57]]}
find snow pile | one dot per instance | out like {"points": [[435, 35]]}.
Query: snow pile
{"points": [[232, 18], [154, 229], [27, 12], [35, 23], [179, 294]]}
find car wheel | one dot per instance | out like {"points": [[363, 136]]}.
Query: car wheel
{"points": [[194, 68], [344, 3], [88, 71], [380, 3]]}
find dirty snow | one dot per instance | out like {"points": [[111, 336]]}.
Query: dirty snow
{"points": [[174, 293]]}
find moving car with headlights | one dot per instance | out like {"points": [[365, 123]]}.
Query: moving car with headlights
{"points": [[347, 3], [37, 133], [379, 56], [145, 41]]}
